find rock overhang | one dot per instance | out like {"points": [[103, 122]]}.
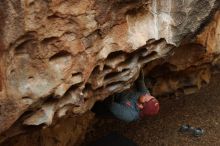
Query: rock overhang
{"points": [[62, 56]]}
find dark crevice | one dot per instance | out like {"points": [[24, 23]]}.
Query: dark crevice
{"points": [[26, 97], [88, 87], [110, 75], [61, 54], [76, 74], [106, 67], [12, 71], [50, 99], [115, 54], [113, 74], [101, 108], [30, 77], [189, 86], [95, 70], [25, 47], [21, 48], [115, 83], [50, 39], [54, 16], [73, 88]]}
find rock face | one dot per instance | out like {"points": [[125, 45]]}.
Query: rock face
{"points": [[68, 131], [60, 56]]}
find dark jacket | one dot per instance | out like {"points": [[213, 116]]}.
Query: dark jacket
{"points": [[125, 105]]}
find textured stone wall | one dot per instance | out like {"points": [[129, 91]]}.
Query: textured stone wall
{"points": [[69, 131], [60, 56]]}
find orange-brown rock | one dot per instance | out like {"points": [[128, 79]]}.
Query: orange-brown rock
{"points": [[61, 56], [68, 131]]}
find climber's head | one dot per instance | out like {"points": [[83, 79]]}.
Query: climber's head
{"points": [[150, 105]]}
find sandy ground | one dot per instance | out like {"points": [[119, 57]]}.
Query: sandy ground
{"points": [[201, 109]]}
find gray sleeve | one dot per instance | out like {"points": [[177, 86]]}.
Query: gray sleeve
{"points": [[140, 85], [123, 96], [123, 112]]}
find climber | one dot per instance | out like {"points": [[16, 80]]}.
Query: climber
{"points": [[135, 104]]}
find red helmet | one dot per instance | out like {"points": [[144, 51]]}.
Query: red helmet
{"points": [[150, 107]]}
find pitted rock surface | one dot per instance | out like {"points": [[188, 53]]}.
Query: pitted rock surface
{"points": [[61, 56]]}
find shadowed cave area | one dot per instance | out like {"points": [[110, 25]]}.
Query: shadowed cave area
{"points": [[63, 61]]}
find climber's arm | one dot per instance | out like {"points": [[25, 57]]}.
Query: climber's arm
{"points": [[140, 84]]}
